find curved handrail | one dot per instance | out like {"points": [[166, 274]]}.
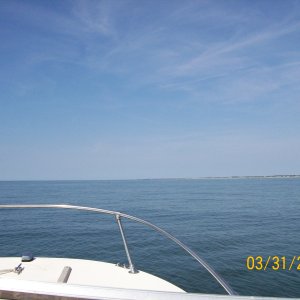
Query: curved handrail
{"points": [[221, 281]]}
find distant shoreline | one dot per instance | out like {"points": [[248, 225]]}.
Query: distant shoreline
{"points": [[225, 177], [248, 177]]}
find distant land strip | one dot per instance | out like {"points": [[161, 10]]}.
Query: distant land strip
{"points": [[246, 177], [224, 177]]}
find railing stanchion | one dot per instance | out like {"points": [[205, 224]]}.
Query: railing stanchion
{"points": [[131, 265]]}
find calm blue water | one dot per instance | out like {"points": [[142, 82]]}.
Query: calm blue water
{"points": [[224, 221]]}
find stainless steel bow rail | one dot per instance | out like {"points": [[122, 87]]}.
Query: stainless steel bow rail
{"points": [[118, 216]]}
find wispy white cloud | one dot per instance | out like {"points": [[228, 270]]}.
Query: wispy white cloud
{"points": [[80, 18], [215, 55], [98, 17]]}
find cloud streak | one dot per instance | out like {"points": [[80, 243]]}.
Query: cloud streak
{"points": [[159, 53]]}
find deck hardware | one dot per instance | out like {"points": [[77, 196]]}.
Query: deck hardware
{"points": [[18, 269], [131, 265], [65, 274], [27, 257]]}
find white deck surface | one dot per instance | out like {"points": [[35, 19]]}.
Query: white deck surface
{"points": [[84, 272]]}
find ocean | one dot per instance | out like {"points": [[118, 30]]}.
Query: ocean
{"points": [[223, 220]]}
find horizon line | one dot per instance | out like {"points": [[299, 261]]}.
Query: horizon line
{"points": [[166, 178]]}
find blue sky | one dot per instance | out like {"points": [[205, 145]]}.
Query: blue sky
{"points": [[149, 89]]}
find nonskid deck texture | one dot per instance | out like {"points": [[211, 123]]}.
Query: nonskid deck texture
{"points": [[83, 272]]}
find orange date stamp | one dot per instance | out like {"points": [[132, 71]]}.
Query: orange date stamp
{"points": [[260, 263]]}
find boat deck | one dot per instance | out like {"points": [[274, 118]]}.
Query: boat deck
{"points": [[83, 272]]}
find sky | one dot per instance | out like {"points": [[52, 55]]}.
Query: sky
{"points": [[149, 89]]}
